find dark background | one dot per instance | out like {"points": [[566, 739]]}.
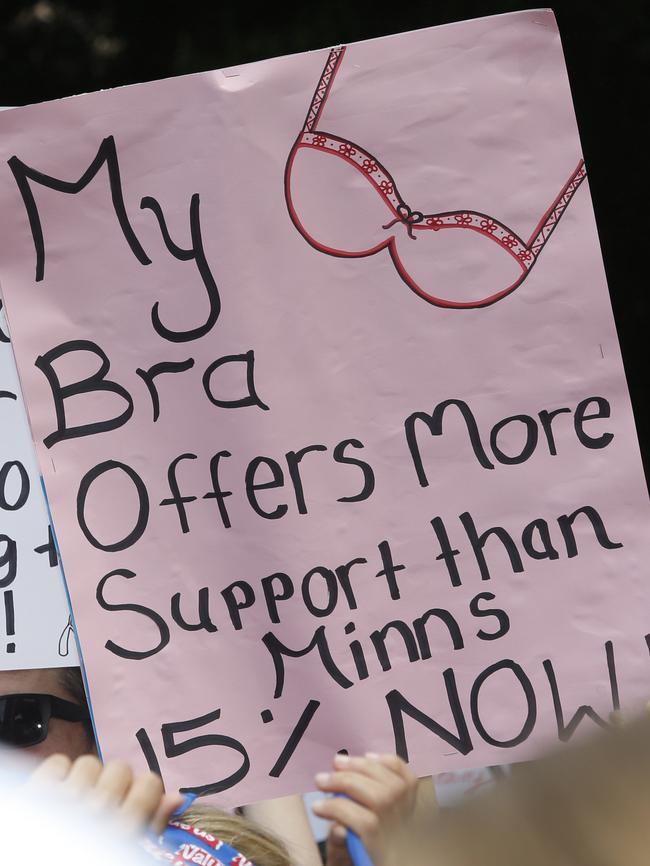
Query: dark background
{"points": [[56, 48]]}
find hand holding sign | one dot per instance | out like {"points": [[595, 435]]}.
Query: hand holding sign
{"points": [[378, 806]]}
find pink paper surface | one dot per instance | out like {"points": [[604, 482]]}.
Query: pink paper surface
{"points": [[344, 290]]}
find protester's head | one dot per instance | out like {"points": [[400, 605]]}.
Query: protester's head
{"points": [[587, 804], [55, 719], [251, 840]]}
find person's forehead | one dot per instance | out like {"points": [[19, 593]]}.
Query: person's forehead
{"points": [[45, 681]]}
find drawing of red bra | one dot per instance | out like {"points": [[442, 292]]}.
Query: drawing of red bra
{"points": [[470, 266]]}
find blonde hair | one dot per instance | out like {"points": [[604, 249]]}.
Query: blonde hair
{"points": [[251, 840]]}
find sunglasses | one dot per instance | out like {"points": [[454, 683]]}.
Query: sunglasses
{"points": [[24, 718]]}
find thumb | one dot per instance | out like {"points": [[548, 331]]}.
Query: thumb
{"points": [[337, 849]]}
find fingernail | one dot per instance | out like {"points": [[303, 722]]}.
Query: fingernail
{"points": [[318, 805], [341, 760], [339, 832], [322, 778], [372, 755]]}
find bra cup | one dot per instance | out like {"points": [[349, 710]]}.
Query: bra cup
{"points": [[454, 266], [334, 205], [345, 202]]}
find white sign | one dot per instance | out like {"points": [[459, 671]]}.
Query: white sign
{"points": [[35, 625]]}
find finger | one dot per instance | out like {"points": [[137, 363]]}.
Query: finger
{"points": [[112, 785], [83, 775], [363, 789], [354, 816], [141, 803], [392, 772], [166, 808], [398, 766], [359, 764], [370, 784], [51, 771], [401, 769], [336, 852], [338, 834]]}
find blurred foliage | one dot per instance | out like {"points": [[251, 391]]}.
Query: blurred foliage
{"points": [[54, 48]]}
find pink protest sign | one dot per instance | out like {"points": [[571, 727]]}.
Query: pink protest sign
{"points": [[322, 371]]}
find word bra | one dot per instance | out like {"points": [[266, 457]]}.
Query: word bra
{"points": [[483, 260]]}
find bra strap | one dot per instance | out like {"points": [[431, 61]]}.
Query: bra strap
{"points": [[549, 221], [323, 88]]}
